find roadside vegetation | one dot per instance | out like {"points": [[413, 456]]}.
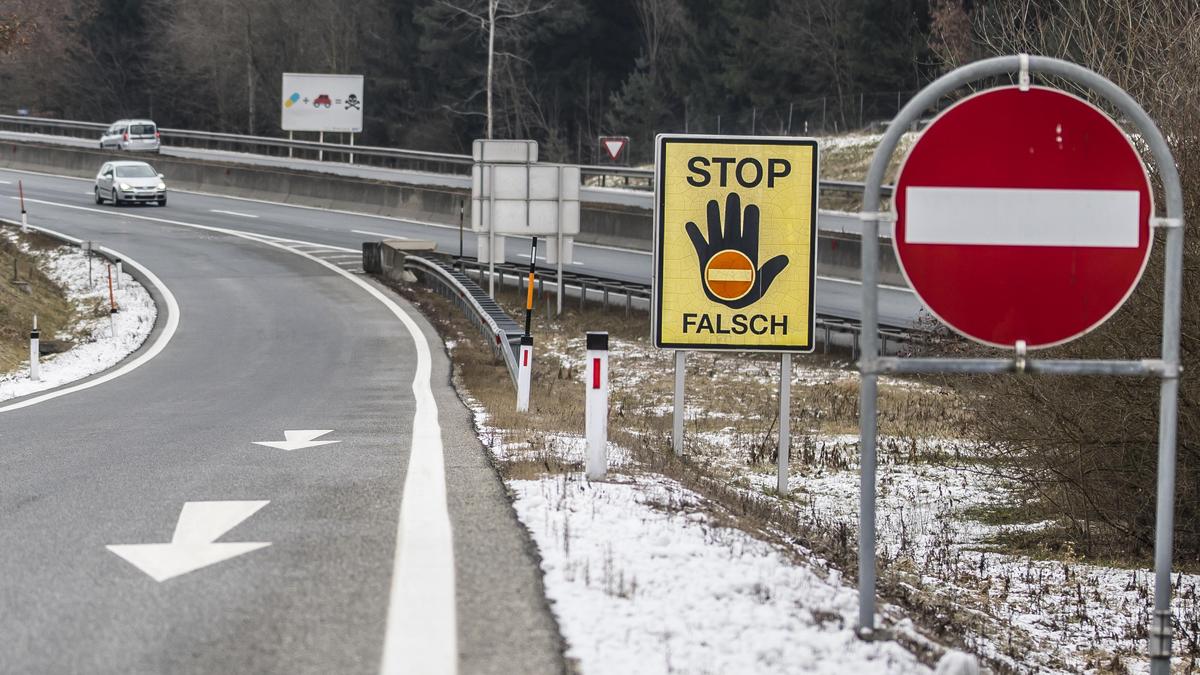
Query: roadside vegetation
{"points": [[964, 548], [27, 290]]}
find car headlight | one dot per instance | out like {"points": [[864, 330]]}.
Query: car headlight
{"points": [[162, 185], [125, 186]]}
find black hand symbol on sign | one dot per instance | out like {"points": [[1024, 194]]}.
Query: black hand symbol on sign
{"points": [[729, 270]]}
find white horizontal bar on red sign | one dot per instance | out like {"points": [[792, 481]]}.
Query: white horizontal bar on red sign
{"points": [[1021, 217]]}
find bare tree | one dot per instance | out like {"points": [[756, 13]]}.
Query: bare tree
{"points": [[822, 26], [659, 20], [489, 16]]}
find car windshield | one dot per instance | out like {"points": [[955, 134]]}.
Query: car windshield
{"points": [[136, 171], [141, 129]]}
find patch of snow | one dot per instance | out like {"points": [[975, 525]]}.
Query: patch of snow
{"points": [[96, 349], [642, 581]]}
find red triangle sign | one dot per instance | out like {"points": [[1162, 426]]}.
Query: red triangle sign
{"points": [[614, 146]]}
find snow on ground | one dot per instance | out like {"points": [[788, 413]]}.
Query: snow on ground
{"points": [[643, 582], [1032, 615], [1062, 616], [96, 348]]}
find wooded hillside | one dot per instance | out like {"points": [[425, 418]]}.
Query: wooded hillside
{"points": [[566, 71]]}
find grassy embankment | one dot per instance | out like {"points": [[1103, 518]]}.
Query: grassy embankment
{"points": [[25, 291]]}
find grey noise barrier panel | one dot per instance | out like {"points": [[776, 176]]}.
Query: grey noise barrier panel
{"points": [[1166, 367]]}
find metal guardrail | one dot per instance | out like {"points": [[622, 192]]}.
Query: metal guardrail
{"points": [[438, 162], [647, 175], [502, 333], [610, 290]]}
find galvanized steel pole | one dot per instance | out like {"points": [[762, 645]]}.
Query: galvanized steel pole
{"points": [[677, 419], [785, 422]]}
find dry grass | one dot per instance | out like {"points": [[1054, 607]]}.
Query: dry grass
{"points": [[731, 433], [850, 162], [46, 299]]}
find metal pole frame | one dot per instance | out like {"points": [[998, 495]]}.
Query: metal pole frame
{"points": [[1167, 367]]}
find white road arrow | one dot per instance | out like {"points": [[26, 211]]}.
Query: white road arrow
{"points": [[298, 439], [195, 542]]}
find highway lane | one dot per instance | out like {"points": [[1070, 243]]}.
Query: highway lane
{"points": [[268, 341], [834, 297], [827, 221]]}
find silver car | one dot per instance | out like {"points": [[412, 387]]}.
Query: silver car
{"points": [[131, 135], [130, 183]]}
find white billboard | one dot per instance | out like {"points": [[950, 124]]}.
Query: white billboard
{"points": [[314, 102]]}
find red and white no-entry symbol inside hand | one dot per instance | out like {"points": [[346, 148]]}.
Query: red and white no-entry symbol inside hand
{"points": [[1023, 215]]}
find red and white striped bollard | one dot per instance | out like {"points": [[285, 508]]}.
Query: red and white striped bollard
{"points": [[524, 368], [596, 405]]}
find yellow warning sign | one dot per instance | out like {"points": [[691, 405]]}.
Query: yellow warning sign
{"points": [[735, 242]]}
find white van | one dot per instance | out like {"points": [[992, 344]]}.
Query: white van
{"points": [[131, 135]]}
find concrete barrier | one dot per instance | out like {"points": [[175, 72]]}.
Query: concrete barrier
{"points": [[602, 224], [387, 257]]}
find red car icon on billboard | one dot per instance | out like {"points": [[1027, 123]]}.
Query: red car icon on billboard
{"points": [[322, 100]]}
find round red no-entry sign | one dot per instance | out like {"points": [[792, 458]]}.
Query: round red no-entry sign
{"points": [[1023, 215]]}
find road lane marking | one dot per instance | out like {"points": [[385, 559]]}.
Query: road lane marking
{"points": [[298, 439], [380, 234], [157, 346], [194, 544], [422, 628], [234, 213]]}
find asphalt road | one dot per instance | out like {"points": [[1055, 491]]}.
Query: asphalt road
{"points": [[898, 307], [267, 341]]}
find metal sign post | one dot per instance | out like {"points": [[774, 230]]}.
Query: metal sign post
{"points": [[529, 291], [1166, 367], [785, 422], [678, 407]]}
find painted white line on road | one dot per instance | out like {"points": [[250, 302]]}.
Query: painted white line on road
{"points": [[298, 439], [234, 213], [380, 234], [5, 182], [194, 544], [543, 259], [422, 628], [299, 243], [159, 344]]}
